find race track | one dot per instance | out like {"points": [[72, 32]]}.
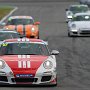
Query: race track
{"points": [[73, 62]]}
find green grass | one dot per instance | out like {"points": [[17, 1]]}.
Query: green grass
{"points": [[4, 11]]}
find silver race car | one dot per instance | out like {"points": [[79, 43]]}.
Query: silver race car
{"points": [[79, 25], [73, 9]]}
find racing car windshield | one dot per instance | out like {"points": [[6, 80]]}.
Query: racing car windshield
{"points": [[20, 22], [78, 9], [8, 35], [82, 18], [23, 49]]}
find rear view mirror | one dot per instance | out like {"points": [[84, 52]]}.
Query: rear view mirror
{"points": [[36, 23], [54, 52], [66, 9]]}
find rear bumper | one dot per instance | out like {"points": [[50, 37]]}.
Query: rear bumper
{"points": [[33, 35]]}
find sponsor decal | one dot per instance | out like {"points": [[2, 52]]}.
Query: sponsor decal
{"points": [[24, 75]]}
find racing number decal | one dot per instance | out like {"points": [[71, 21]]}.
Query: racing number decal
{"points": [[4, 44], [24, 64]]}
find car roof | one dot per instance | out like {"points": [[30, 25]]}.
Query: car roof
{"points": [[77, 5], [26, 40], [10, 31], [18, 17]]}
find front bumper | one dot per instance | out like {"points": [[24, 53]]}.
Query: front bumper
{"points": [[80, 33], [68, 19], [47, 78]]}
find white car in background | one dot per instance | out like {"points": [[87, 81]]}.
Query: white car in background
{"points": [[73, 9], [84, 2], [79, 25]]}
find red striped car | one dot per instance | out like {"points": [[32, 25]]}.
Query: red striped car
{"points": [[27, 61]]}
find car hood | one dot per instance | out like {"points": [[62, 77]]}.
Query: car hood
{"points": [[82, 24], [24, 64]]}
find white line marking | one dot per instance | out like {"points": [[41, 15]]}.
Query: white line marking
{"points": [[23, 56], [19, 64], [28, 56], [3, 19], [28, 64], [24, 64], [19, 56]]}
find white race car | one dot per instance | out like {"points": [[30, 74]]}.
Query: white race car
{"points": [[73, 9], [79, 25]]}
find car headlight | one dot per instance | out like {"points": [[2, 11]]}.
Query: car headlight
{"points": [[47, 64], [69, 17], [73, 25], [2, 64], [7, 28], [74, 30], [33, 29]]}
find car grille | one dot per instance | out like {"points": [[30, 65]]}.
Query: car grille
{"points": [[3, 78], [74, 32], [24, 79], [85, 32], [46, 78]]}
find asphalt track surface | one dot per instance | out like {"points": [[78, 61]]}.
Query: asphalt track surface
{"points": [[73, 62]]}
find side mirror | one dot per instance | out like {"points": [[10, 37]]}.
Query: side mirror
{"points": [[3, 24], [66, 9], [54, 52], [37, 23]]}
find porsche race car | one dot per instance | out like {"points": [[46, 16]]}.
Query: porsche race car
{"points": [[79, 25], [25, 25], [73, 9], [27, 61]]}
